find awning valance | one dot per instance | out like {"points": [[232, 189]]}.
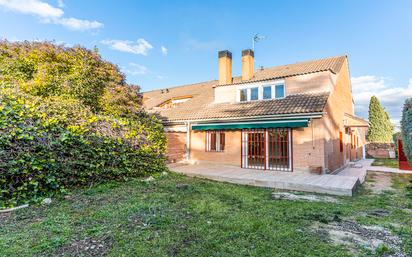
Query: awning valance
{"points": [[287, 123]]}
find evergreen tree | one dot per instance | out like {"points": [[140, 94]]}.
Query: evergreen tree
{"points": [[406, 129], [380, 127]]}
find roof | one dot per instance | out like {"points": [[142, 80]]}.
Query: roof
{"points": [[355, 121], [332, 64], [202, 106], [292, 104]]}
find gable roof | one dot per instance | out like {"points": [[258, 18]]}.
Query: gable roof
{"points": [[332, 64], [201, 104]]}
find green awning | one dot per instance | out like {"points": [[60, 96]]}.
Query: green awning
{"points": [[289, 123]]}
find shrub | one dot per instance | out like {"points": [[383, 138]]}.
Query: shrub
{"points": [[406, 129], [40, 158], [68, 119]]}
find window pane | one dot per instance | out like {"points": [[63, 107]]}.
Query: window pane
{"points": [[280, 91], [267, 92], [222, 141], [213, 141], [243, 95], [254, 93]]}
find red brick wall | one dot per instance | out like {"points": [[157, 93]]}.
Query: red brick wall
{"points": [[176, 148]]}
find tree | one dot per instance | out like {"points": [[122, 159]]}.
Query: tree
{"points": [[380, 127], [45, 69], [406, 129]]}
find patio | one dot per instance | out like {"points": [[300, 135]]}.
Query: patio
{"points": [[341, 184]]}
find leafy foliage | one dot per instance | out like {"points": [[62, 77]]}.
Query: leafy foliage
{"points": [[406, 129], [380, 127], [67, 119], [45, 69]]}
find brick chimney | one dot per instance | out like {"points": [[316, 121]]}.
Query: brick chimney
{"points": [[248, 64], [225, 67]]}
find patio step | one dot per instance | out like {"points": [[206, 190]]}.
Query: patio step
{"points": [[324, 184]]}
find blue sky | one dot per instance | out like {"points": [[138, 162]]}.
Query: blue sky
{"points": [[164, 43]]}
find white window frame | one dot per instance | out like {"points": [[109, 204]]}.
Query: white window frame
{"points": [[260, 86]]}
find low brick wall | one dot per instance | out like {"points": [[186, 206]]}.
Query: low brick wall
{"points": [[380, 150]]}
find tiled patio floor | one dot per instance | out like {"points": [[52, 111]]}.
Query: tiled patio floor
{"points": [[297, 181]]}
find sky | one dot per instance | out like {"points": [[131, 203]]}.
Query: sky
{"points": [[160, 44]]}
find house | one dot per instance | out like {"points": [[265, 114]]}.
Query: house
{"points": [[295, 117]]}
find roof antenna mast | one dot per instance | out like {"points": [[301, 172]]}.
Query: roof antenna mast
{"points": [[256, 38]]}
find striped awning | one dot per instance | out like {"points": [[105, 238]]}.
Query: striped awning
{"points": [[287, 123]]}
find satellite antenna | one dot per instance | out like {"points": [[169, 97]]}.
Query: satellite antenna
{"points": [[256, 38]]}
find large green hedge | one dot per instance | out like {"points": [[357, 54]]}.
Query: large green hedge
{"points": [[41, 157], [68, 119], [406, 129]]}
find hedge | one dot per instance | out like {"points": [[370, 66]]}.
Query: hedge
{"points": [[43, 154]]}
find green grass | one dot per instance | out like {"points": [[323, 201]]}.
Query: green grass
{"points": [[391, 163], [207, 219]]}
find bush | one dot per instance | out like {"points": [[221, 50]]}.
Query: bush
{"points": [[406, 129], [68, 119], [40, 158]]}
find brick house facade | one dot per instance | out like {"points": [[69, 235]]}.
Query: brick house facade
{"points": [[292, 117]]}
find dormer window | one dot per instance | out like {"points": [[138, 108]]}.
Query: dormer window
{"points": [[173, 102], [254, 93], [267, 92], [280, 91], [243, 95], [261, 91]]}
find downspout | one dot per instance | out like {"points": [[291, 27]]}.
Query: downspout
{"points": [[187, 140]]}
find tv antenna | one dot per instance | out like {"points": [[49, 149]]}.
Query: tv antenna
{"points": [[256, 38]]}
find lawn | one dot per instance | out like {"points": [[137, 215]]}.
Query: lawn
{"points": [[391, 163], [179, 216]]}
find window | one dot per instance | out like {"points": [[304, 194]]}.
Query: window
{"points": [[254, 93], [243, 95], [215, 141], [341, 141], [275, 90], [280, 91], [267, 92]]}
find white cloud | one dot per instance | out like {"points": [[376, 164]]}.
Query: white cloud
{"points": [[49, 14], [391, 97], [76, 24], [34, 7], [135, 69], [141, 46], [164, 50]]}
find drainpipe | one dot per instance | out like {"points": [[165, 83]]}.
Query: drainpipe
{"points": [[187, 141]]}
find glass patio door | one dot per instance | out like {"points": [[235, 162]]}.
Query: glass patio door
{"points": [[266, 149]]}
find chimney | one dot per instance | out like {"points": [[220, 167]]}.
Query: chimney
{"points": [[225, 67], [248, 64]]}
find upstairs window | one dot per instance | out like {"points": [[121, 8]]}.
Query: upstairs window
{"points": [[254, 93], [267, 92], [274, 90], [243, 95], [215, 141], [279, 91]]}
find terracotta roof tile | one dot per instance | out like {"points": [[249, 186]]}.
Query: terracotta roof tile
{"points": [[292, 104]]}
